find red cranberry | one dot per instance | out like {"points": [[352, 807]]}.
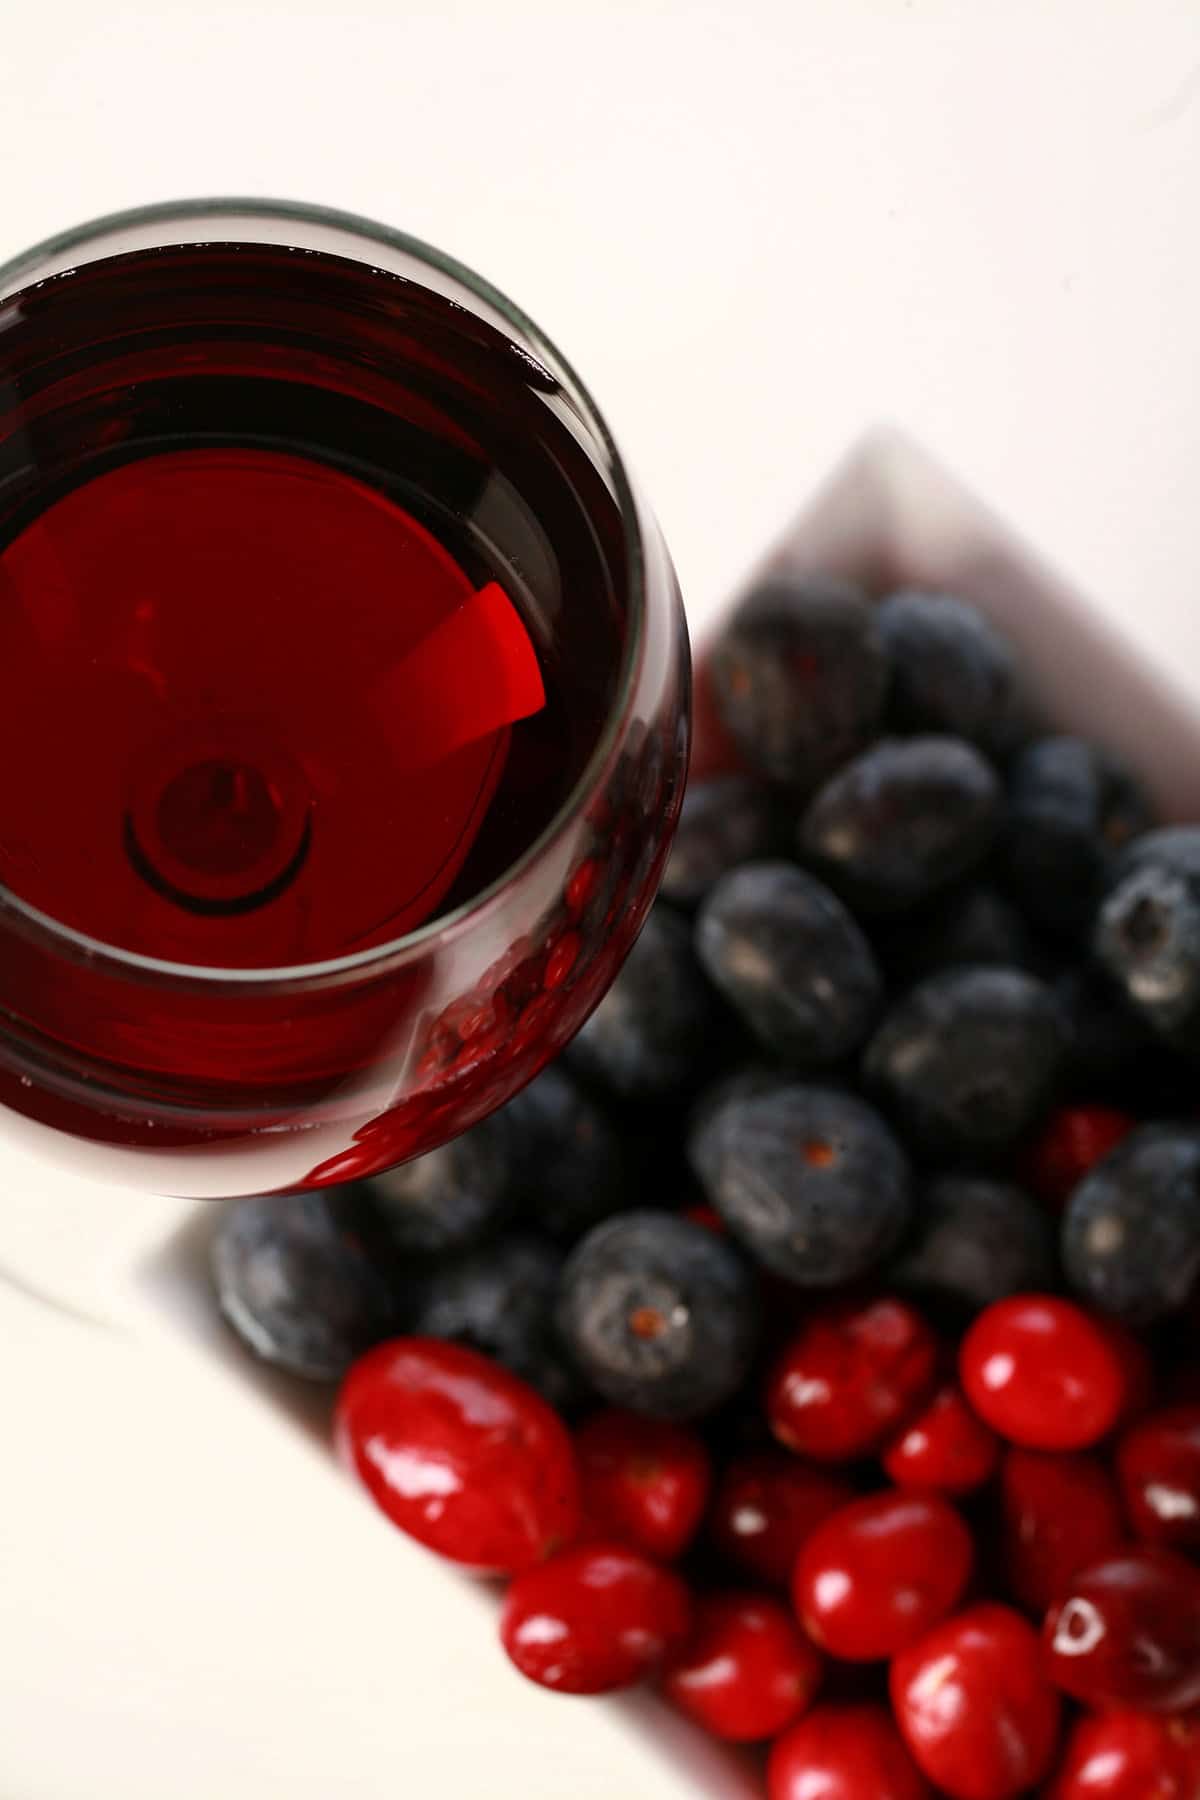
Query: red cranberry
{"points": [[459, 1453], [1060, 1512], [644, 1481], [974, 1706], [1043, 1373], [844, 1753], [853, 1375], [1137, 1369], [1072, 1141], [1127, 1632], [708, 1216], [745, 1672], [594, 1618], [765, 1507], [944, 1447], [876, 1575], [1128, 1756], [1159, 1464]]}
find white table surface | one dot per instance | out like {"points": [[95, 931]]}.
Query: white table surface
{"points": [[756, 230]]}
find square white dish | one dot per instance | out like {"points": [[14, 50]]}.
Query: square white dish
{"points": [[235, 1618]]}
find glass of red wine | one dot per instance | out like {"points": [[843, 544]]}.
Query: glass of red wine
{"points": [[343, 698]]}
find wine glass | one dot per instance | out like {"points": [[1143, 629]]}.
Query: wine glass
{"points": [[343, 698]]}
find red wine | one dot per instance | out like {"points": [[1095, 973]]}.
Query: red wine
{"points": [[319, 595], [305, 629]]}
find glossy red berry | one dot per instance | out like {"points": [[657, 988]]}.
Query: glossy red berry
{"points": [[974, 1706], [593, 1618], [1129, 1756], [844, 1753], [745, 1671], [1071, 1142], [1127, 1632], [644, 1481], [878, 1574], [853, 1375], [1043, 1373], [1059, 1512], [945, 1447], [766, 1504], [459, 1453], [1159, 1464]]}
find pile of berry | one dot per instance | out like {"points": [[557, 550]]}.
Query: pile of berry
{"points": [[821, 1337]]}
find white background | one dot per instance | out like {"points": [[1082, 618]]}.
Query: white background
{"points": [[755, 229]]}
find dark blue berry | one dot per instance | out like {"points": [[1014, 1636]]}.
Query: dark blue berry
{"points": [[499, 1299], [952, 671], [799, 676], [904, 819], [968, 1059], [974, 1241], [724, 822], [451, 1197], [652, 1034], [1131, 1232], [791, 961], [571, 1168], [295, 1277], [1072, 806], [1109, 1047], [1147, 932], [975, 924], [809, 1179], [659, 1314]]}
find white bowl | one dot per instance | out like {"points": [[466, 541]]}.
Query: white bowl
{"points": [[229, 1614]]}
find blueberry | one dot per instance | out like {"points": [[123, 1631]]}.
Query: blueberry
{"points": [[296, 1279], [791, 961], [570, 1165], [499, 1299], [973, 924], [724, 822], [904, 819], [659, 1314], [974, 1241], [451, 1197], [1109, 1048], [652, 1034], [952, 671], [799, 676], [1131, 1232], [968, 1059], [809, 1179], [1071, 806], [1147, 932]]}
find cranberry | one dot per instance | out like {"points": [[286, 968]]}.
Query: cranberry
{"points": [[1127, 1632], [1137, 1369], [1043, 1373], [976, 1710], [1128, 1756], [745, 1672], [1070, 1143], [708, 1216], [644, 1481], [944, 1447], [765, 1507], [853, 1375], [843, 1753], [1059, 1513], [1159, 1464], [880, 1572], [593, 1618], [459, 1453]]}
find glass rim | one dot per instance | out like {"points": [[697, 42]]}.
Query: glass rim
{"points": [[468, 912]]}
